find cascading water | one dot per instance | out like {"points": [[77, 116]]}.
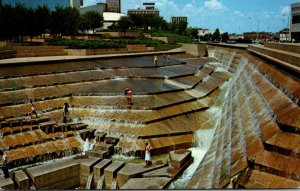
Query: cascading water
{"points": [[204, 137], [100, 183], [114, 185], [206, 134], [88, 145], [89, 181]]}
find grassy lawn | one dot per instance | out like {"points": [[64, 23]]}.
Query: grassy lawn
{"points": [[109, 43]]}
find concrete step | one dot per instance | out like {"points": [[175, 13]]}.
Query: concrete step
{"points": [[283, 58], [284, 143], [278, 164], [288, 47], [261, 180]]}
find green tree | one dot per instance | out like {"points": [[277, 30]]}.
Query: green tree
{"points": [[43, 19], [182, 26], [124, 24], [7, 22], [65, 21], [225, 37], [206, 37], [216, 35], [92, 20], [193, 33]]}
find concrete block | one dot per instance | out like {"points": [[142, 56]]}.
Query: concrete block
{"points": [[109, 148], [97, 153], [98, 170], [111, 172], [179, 157], [22, 180], [7, 184], [134, 171], [86, 167], [156, 183]]}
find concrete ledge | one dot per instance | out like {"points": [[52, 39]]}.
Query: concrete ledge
{"points": [[6, 184], [280, 62], [111, 172], [147, 183], [284, 47], [135, 171], [98, 170], [22, 180], [61, 59], [5, 54]]}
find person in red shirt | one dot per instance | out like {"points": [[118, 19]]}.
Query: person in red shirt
{"points": [[128, 94]]}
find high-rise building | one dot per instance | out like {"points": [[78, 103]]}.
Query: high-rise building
{"points": [[51, 4], [177, 20], [149, 8], [295, 22], [113, 6]]}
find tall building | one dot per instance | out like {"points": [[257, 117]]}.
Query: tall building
{"points": [[177, 20], [149, 8], [51, 4], [295, 22], [113, 6]]}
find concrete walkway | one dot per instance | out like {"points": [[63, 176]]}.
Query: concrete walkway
{"points": [[48, 59]]}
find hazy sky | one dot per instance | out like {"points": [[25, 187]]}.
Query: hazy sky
{"points": [[229, 15]]}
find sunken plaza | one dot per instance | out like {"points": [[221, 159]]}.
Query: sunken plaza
{"points": [[216, 116]]}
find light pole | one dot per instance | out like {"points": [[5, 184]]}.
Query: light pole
{"points": [[257, 33]]}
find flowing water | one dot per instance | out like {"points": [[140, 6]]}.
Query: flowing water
{"points": [[100, 183], [114, 185], [89, 181], [205, 135]]}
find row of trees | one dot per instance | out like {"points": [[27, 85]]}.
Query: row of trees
{"points": [[19, 21], [216, 36], [149, 22]]}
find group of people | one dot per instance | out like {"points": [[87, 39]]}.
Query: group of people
{"points": [[128, 94], [155, 58], [65, 111]]}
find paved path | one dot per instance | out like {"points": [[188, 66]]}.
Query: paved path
{"points": [[76, 58]]}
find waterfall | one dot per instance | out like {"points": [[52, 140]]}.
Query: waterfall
{"points": [[204, 137], [114, 185], [89, 181], [100, 183], [230, 60], [87, 145]]}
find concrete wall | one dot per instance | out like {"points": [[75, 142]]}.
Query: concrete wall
{"points": [[195, 49], [285, 47], [35, 51], [120, 34]]}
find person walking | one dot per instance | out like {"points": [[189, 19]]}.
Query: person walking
{"points": [[5, 165], [65, 112], [148, 154], [33, 111], [155, 59]]}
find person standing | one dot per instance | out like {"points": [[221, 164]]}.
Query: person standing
{"points": [[155, 60], [33, 111], [65, 112], [5, 165], [128, 94], [147, 154]]}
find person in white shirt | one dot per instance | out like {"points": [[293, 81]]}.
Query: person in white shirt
{"points": [[5, 165]]}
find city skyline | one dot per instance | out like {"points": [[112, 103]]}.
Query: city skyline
{"points": [[234, 16]]}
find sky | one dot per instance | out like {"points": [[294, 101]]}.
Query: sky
{"points": [[233, 16]]}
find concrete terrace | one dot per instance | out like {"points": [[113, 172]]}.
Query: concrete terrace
{"points": [[255, 145]]}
